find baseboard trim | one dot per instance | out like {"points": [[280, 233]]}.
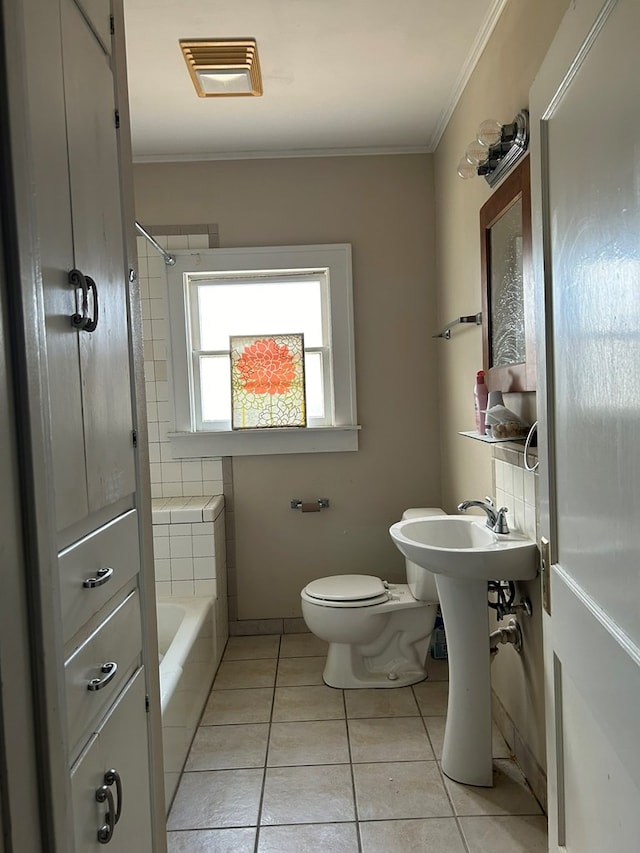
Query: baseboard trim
{"points": [[535, 774]]}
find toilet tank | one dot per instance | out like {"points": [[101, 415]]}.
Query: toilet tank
{"points": [[421, 582]]}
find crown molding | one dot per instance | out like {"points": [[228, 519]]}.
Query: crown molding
{"points": [[477, 48]]}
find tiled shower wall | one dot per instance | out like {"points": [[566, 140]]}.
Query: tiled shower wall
{"points": [[188, 546], [169, 477], [174, 478]]}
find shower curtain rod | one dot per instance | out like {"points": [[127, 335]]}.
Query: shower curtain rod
{"points": [[168, 259]]}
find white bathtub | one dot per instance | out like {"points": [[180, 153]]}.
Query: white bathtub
{"points": [[188, 660]]}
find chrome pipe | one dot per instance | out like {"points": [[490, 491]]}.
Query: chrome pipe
{"points": [[168, 258], [469, 318]]}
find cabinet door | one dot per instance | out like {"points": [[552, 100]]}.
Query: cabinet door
{"points": [[98, 253], [120, 744]]}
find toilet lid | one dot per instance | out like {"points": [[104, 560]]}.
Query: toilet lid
{"points": [[347, 588]]}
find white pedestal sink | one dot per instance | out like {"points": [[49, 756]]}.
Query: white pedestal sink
{"points": [[464, 554]]}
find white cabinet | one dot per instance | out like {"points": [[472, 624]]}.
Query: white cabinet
{"points": [[110, 780], [92, 415], [85, 487], [94, 473]]}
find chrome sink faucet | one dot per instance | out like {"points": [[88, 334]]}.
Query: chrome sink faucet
{"points": [[496, 519]]}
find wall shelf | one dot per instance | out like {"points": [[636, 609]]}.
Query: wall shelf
{"points": [[488, 439]]}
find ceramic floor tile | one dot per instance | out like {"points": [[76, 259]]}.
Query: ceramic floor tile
{"points": [[432, 697], [435, 727], [293, 672], [252, 705], [387, 702], [304, 802], [389, 739], [510, 794], [245, 673], [302, 645], [406, 789], [307, 703], [440, 835], [309, 838], [228, 747], [212, 841], [213, 799], [252, 648], [308, 795], [521, 834], [323, 742]]}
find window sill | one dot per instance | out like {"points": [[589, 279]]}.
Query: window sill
{"points": [[262, 442]]}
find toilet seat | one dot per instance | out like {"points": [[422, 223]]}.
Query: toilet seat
{"points": [[347, 591]]}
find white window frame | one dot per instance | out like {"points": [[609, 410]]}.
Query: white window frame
{"points": [[187, 440]]}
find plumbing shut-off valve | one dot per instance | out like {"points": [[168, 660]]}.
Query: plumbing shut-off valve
{"points": [[511, 635]]}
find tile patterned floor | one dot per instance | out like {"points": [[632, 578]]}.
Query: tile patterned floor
{"points": [[281, 763]]}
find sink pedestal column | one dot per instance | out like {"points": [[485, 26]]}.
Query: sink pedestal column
{"points": [[466, 755]]}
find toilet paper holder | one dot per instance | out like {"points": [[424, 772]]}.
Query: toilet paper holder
{"points": [[310, 506]]}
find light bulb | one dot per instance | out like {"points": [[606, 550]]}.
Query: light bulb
{"points": [[476, 152], [466, 169], [489, 132]]}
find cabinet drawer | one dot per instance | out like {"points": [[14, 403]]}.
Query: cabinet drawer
{"points": [[121, 745], [83, 590], [92, 682]]}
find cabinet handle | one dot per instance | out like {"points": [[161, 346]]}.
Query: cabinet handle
{"points": [[109, 669], [105, 833], [102, 576], [83, 321], [110, 777]]}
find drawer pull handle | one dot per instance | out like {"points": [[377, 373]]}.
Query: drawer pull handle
{"points": [[110, 777], [102, 576], [105, 833], [109, 669]]}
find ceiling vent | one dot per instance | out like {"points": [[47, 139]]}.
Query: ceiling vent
{"points": [[223, 68]]}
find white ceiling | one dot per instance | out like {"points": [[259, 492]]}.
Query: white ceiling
{"points": [[339, 76]]}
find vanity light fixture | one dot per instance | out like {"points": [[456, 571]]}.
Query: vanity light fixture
{"points": [[222, 68], [496, 149]]}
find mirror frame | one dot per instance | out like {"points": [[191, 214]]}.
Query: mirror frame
{"points": [[513, 377]]}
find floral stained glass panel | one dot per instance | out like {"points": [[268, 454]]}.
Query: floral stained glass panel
{"points": [[267, 381]]}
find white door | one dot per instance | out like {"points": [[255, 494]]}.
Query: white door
{"points": [[585, 106]]}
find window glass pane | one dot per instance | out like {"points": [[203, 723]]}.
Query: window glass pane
{"points": [[314, 384], [258, 309], [215, 387]]}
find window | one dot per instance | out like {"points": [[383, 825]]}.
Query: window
{"points": [[221, 305], [218, 293]]}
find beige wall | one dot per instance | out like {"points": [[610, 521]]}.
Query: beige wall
{"points": [[383, 206], [498, 88]]}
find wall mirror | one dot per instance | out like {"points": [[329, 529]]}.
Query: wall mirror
{"points": [[508, 334]]}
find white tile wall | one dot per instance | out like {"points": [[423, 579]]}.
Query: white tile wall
{"points": [[169, 477], [189, 547], [516, 489]]}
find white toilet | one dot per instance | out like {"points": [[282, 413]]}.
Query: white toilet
{"points": [[378, 633]]}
